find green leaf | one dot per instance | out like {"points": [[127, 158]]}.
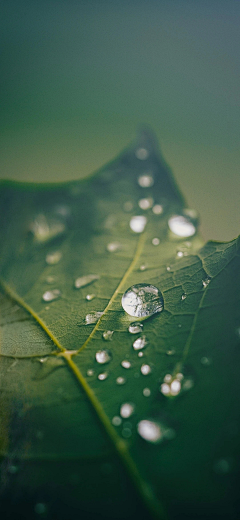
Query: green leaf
{"points": [[70, 251]]}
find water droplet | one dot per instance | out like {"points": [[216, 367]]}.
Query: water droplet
{"points": [[142, 154], [138, 223], [90, 297], [170, 352], [146, 392], [103, 376], [53, 258], [140, 343], [184, 296], [93, 317], [157, 209], [126, 433], [205, 361], [126, 410], [107, 335], [145, 203], [116, 420], [145, 181], [145, 370], [40, 508], [140, 354], [128, 206], [12, 469], [168, 268], [135, 327], [142, 300], [83, 281], [103, 356], [44, 229], [143, 267], [180, 254], [182, 226], [50, 296], [173, 386], [206, 282], [222, 466], [153, 431], [126, 364], [113, 246], [90, 372], [167, 378], [50, 279], [155, 241], [120, 380]]}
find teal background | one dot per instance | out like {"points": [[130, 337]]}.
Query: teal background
{"points": [[78, 78]]}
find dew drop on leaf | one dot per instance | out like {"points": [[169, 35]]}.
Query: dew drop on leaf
{"points": [[206, 282], [108, 334], [44, 229], [142, 300], [145, 203], [126, 432], [126, 364], [90, 372], [182, 226], [145, 370], [140, 354], [205, 361], [146, 180], [83, 281], [143, 267], [120, 380], [135, 327], [138, 223], [126, 410], [103, 376], [140, 343], [53, 258], [154, 432], [157, 209], [90, 297], [93, 317], [50, 296], [146, 392], [116, 420], [113, 246], [103, 356], [155, 241], [142, 154]]}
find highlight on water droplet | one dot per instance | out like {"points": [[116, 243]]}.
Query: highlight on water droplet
{"points": [[83, 281], [146, 180], [107, 335], [142, 300], [146, 392], [206, 282], [93, 317], [120, 380], [142, 154], [126, 364], [50, 296], [113, 246], [90, 297], [154, 431], [155, 241], [103, 356], [145, 370], [145, 203], [126, 410], [135, 327], [140, 343], [53, 258], [102, 376], [182, 226], [138, 223]]}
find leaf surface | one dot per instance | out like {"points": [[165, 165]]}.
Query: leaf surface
{"points": [[55, 408]]}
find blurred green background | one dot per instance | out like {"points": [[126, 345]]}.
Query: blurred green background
{"points": [[79, 77]]}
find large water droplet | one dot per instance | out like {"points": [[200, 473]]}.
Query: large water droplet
{"points": [[145, 203], [135, 327], [145, 181], [126, 364], [108, 334], [93, 317], [44, 229], [83, 281], [103, 356], [50, 296], [142, 300], [103, 376], [182, 226], [138, 223], [126, 410], [184, 296], [145, 370], [53, 258], [140, 343], [154, 431], [142, 154]]}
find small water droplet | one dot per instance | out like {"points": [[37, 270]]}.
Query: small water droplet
{"points": [[116, 420], [145, 370], [120, 380], [103, 376], [145, 203], [168, 268], [140, 343], [90, 372], [180, 254], [140, 354], [143, 267], [145, 181], [205, 361], [108, 334], [184, 296], [50, 279], [128, 206], [167, 378], [154, 431], [157, 209], [113, 246], [40, 508], [138, 223], [142, 154], [146, 392], [83, 281], [53, 258], [135, 327], [182, 226], [155, 241], [170, 352], [173, 386], [126, 364], [93, 317], [44, 229], [50, 296], [126, 410], [103, 356], [206, 282], [126, 432], [90, 297], [142, 300]]}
